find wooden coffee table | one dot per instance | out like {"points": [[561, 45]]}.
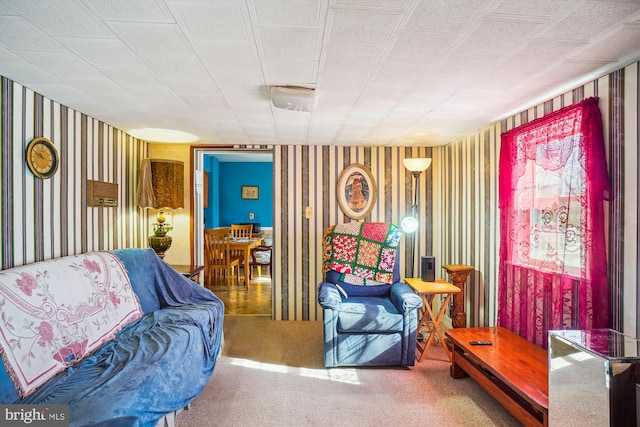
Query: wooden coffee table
{"points": [[513, 370]]}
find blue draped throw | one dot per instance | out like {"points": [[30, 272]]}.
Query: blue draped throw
{"points": [[155, 365]]}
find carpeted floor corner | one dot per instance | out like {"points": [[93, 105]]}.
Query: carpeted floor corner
{"points": [[271, 373]]}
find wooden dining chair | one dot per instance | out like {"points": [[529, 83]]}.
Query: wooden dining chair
{"points": [[219, 259], [242, 231], [261, 257]]}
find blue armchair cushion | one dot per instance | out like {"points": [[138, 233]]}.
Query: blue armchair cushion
{"points": [[358, 314]]}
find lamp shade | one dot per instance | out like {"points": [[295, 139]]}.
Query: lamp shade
{"points": [[161, 184], [417, 165]]}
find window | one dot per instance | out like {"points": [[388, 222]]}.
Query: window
{"points": [[553, 181]]}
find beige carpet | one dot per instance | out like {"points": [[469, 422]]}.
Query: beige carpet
{"points": [[271, 373]]}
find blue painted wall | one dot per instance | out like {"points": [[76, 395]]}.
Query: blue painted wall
{"points": [[226, 205]]}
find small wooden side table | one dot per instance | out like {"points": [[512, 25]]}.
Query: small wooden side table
{"points": [[459, 274], [428, 291], [190, 271]]}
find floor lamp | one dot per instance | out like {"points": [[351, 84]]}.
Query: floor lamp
{"points": [[410, 222]]}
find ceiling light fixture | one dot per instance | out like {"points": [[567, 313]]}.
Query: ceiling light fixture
{"points": [[294, 98], [162, 135]]}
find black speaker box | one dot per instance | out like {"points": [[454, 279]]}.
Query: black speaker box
{"points": [[428, 268]]}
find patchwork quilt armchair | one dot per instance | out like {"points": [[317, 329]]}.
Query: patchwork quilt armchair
{"points": [[370, 316]]}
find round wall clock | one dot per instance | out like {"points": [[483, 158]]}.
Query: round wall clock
{"points": [[42, 158]]}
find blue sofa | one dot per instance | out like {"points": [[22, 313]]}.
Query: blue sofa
{"points": [[154, 366]]}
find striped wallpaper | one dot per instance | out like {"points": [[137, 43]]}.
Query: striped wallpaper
{"points": [[43, 219], [459, 205], [458, 200], [466, 188], [307, 176]]}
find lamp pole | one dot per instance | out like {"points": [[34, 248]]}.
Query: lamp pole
{"points": [[415, 210]]}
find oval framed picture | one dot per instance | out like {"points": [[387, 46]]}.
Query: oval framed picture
{"points": [[356, 191]]}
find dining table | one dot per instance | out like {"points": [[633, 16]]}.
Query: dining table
{"points": [[245, 245]]}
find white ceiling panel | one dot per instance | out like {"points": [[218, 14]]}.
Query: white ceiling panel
{"points": [[355, 28], [290, 44], [445, 16], [418, 49], [62, 18], [224, 23], [228, 56], [103, 52], [288, 13], [291, 72], [153, 39], [18, 34], [127, 10], [592, 20], [410, 72]]}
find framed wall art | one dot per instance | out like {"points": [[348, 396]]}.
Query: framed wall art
{"points": [[250, 192], [356, 191]]}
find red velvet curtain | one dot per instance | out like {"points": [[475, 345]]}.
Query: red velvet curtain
{"points": [[553, 183]]}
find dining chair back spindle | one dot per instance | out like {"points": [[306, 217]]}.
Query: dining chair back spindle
{"points": [[242, 231]]}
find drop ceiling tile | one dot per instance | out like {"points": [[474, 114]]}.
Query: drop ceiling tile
{"points": [[127, 10], [19, 34], [7, 57], [591, 20], [206, 103], [328, 83], [354, 28], [233, 78], [445, 16], [63, 93], [188, 86], [416, 49], [290, 44], [62, 18], [349, 61], [226, 56], [214, 22], [386, 4], [498, 36], [97, 85], [158, 97], [538, 55], [464, 69], [540, 8], [103, 52], [291, 72], [24, 72], [133, 77], [400, 76], [628, 40], [60, 63], [153, 39], [287, 12]]}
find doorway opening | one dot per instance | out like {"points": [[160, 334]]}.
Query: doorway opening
{"points": [[232, 186]]}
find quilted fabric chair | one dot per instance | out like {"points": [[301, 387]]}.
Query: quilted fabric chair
{"points": [[370, 316]]}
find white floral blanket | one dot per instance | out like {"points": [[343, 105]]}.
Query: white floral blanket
{"points": [[54, 313]]}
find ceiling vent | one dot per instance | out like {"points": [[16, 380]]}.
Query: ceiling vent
{"points": [[294, 98]]}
